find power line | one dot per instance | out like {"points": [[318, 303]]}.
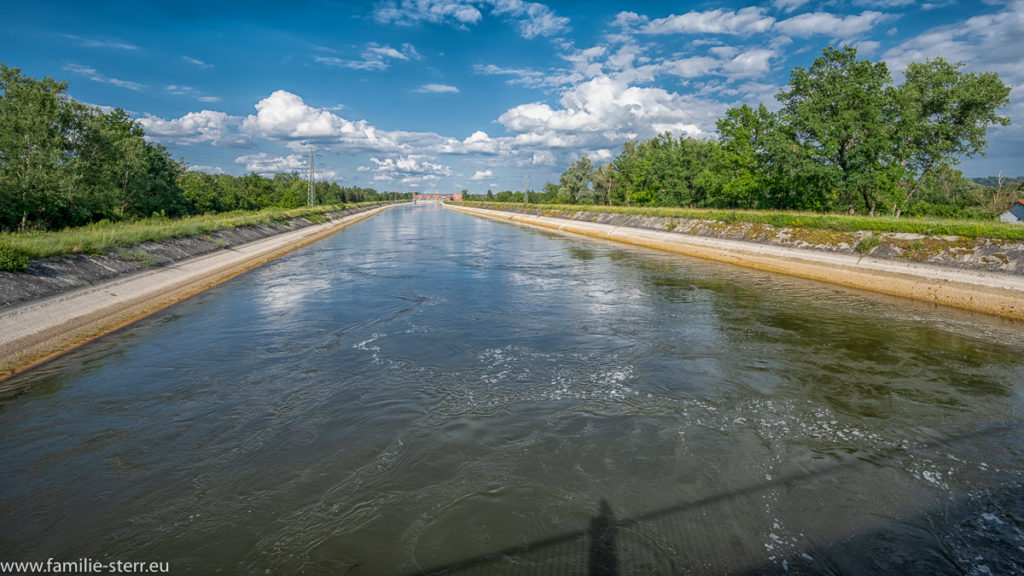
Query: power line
{"points": [[310, 191]]}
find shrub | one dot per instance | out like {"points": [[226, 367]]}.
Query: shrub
{"points": [[12, 258]]}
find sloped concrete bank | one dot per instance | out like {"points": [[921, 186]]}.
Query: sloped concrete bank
{"points": [[982, 275], [54, 275], [59, 304]]}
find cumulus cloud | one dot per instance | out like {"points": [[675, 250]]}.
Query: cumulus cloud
{"points": [[413, 170], [789, 5], [263, 163], [409, 12], [824, 23], [533, 19], [416, 164], [284, 115], [749, 20], [192, 128], [752, 63], [606, 111], [728, 62], [482, 175], [984, 43]]}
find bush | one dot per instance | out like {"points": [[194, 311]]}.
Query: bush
{"points": [[12, 258]]}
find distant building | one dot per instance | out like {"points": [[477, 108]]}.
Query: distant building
{"points": [[418, 198], [1015, 214]]}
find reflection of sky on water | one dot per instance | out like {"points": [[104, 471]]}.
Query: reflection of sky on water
{"points": [[427, 386]]}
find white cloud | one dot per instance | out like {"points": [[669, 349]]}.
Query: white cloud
{"points": [[693, 67], [543, 158], [534, 19], [409, 12], [413, 171], [984, 43], [205, 168], [438, 89], [94, 43], [885, 3], [824, 23], [605, 111], [413, 164], [789, 5], [521, 76], [194, 127], [197, 62], [95, 76], [628, 19], [482, 175], [192, 92], [730, 63], [752, 63], [749, 20], [263, 163], [284, 115], [373, 57]]}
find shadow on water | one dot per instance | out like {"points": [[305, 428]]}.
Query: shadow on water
{"points": [[945, 537]]}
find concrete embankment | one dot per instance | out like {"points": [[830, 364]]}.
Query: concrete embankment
{"points": [[980, 275], [48, 320]]}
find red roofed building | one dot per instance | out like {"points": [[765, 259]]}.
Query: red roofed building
{"points": [[418, 198]]}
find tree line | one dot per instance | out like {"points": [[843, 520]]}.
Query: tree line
{"points": [[65, 164], [846, 139]]}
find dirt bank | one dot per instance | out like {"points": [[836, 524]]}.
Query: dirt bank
{"points": [[981, 275], [59, 304]]}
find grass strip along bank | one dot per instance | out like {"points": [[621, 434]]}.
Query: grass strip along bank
{"points": [[838, 222], [17, 249]]}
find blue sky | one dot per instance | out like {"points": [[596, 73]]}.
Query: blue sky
{"points": [[441, 95]]}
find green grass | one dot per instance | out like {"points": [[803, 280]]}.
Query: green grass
{"points": [[16, 249], [841, 222]]}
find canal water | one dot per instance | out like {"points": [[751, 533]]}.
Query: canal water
{"points": [[431, 392]]}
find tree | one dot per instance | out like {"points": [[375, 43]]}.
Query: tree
{"points": [[604, 179], [941, 113], [836, 111], [744, 135], [199, 190], [631, 176], [575, 182], [36, 118]]}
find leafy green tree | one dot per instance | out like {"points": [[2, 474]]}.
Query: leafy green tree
{"points": [[836, 111], [574, 185], [745, 158], [632, 176], [36, 117], [940, 114], [550, 194], [604, 179], [199, 190]]}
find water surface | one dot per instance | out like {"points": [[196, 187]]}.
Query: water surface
{"points": [[430, 391]]}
